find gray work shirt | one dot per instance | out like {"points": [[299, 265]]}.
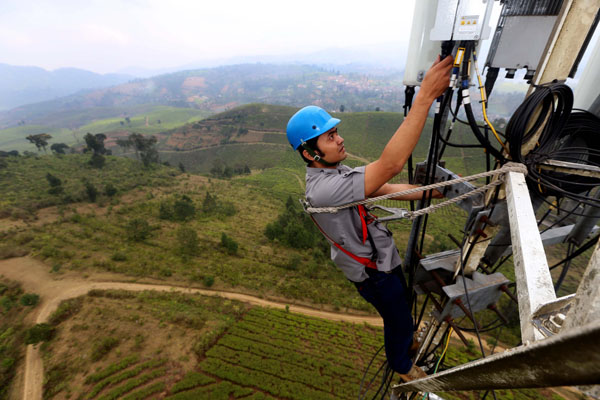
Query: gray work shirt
{"points": [[341, 185]]}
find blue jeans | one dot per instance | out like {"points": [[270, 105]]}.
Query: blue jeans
{"points": [[387, 293]]}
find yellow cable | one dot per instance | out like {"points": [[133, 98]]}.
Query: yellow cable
{"points": [[446, 346], [441, 356], [538, 180], [483, 101]]}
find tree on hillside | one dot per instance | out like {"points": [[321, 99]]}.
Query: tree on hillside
{"points": [[294, 229], [217, 168], [90, 190], [40, 140], [145, 148], [95, 144], [13, 153], [342, 108], [59, 148], [227, 171], [125, 144], [230, 245], [55, 184], [188, 242]]}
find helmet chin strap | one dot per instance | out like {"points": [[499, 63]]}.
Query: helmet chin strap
{"points": [[317, 157]]}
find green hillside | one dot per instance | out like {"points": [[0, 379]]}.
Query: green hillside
{"points": [[107, 233], [14, 138], [69, 128], [155, 120], [255, 135], [26, 188]]}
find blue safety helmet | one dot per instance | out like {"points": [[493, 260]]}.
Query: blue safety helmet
{"points": [[308, 123]]}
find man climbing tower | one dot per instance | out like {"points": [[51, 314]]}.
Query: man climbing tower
{"points": [[361, 247]]}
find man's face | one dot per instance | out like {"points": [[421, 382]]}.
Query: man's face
{"points": [[331, 146]]}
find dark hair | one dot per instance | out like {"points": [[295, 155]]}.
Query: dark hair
{"points": [[312, 143]]}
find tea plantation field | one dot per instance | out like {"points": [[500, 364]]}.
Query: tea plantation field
{"points": [[195, 347]]}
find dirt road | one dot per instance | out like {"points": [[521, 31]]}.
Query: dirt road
{"points": [[34, 277]]}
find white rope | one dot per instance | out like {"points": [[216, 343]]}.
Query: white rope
{"points": [[508, 167]]}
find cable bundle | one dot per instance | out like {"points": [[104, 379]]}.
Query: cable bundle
{"points": [[579, 143], [546, 110], [545, 117]]}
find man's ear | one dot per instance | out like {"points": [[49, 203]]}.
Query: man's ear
{"points": [[307, 156]]}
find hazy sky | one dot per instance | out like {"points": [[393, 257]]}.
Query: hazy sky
{"points": [[107, 35]]}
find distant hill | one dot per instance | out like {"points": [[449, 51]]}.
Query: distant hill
{"points": [[214, 90], [21, 85], [373, 59], [220, 89], [254, 135]]}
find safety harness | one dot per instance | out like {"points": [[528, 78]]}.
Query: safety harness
{"points": [[365, 219]]}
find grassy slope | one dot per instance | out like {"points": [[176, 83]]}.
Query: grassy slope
{"points": [[366, 134], [100, 121], [99, 240], [25, 188], [14, 138], [170, 117]]}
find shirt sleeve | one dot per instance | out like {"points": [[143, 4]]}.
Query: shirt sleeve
{"points": [[334, 189]]}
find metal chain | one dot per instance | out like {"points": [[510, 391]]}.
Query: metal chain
{"points": [[508, 167]]}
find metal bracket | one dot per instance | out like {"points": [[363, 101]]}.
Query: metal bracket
{"points": [[484, 290], [397, 213], [571, 168], [549, 317], [442, 263], [442, 174]]}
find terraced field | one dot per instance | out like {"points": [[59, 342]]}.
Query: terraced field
{"points": [[292, 356], [178, 346]]}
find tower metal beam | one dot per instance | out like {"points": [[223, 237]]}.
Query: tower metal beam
{"points": [[586, 305], [570, 31], [570, 358], [534, 282]]}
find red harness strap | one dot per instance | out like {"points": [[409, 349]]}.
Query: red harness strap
{"points": [[363, 214], [367, 262]]}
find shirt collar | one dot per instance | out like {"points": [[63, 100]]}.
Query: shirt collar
{"points": [[314, 171]]}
